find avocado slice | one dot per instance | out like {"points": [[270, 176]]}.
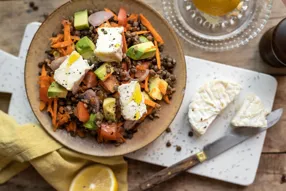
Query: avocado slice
{"points": [[154, 90], [109, 108], [85, 47], [101, 71], [81, 20], [57, 91], [141, 51], [90, 124], [143, 39], [146, 96]]}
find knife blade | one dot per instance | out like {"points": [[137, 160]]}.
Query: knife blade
{"points": [[233, 138]]}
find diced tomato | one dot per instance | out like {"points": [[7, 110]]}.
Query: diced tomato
{"points": [[44, 94], [81, 112], [110, 132], [110, 83], [122, 17], [90, 79]]}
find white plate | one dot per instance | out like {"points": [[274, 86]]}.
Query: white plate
{"points": [[238, 165]]}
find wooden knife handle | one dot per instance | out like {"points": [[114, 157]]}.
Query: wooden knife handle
{"points": [[173, 171]]}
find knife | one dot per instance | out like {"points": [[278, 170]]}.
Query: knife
{"points": [[233, 137]]}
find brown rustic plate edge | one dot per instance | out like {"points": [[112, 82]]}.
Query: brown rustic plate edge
{"points": [[141, 145]]}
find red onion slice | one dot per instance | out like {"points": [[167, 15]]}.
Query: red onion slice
{"points": [[143, 76], [99, 17], [55, 64]]}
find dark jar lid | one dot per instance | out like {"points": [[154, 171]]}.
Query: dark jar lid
{"points": [[279, 40]]}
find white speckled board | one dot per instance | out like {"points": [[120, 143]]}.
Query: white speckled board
{"points": [[237, 165]]}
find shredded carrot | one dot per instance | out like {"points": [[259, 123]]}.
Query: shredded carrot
{"points": [[113, 24], [162, 88], [56, 39], [142, 32], [158, 55], [151, 103], [146, 84], [149, 26], [80, 133], [114, 15], [44, 72], [149, 111], [133, 17], [124, 47], [62, 119], [70, 49], [50, 109], [62, 44], [67, 30], [54, 120], [42, 105], [71, 127], [166, 99], [75, 38], [107, 76], [62, 51]]}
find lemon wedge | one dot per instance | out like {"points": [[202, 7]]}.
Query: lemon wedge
{"points": [[137, 94], [73, 57], [95, 178]]}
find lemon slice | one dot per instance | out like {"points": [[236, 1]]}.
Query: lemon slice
{"points": [[95, 178]]}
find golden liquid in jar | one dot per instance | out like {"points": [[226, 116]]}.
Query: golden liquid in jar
{"points": [[216, 7]]}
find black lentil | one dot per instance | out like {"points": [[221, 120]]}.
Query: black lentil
{"points": [[191, 134], [168, 130], [168, 144], [178, 148]]}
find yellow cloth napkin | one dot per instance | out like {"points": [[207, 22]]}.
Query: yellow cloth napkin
{"points": [[21, 146]]}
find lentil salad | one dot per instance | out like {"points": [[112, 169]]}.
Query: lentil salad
{"points": [[81, 112]]}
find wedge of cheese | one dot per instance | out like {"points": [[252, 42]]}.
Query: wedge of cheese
{"points": [[209, 101], [252, 113]]}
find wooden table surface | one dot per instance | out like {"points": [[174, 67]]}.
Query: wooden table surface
{"points": [[16, 14]]}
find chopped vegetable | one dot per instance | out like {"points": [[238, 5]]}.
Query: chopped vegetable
{"points": [[81, 112], [147, 84], [149, 26], [54, 121], [42, 105], [110, 84], [67, 28], [97, 18], [90, 79], [91, 122], [132, 17], [71, 127], [166, 99], [124, 47], [114, 15], [62, 119], [110, 132], [122, 17], [62, 44], [151, 103], [142, 32], [163, 86], [158, 56]]}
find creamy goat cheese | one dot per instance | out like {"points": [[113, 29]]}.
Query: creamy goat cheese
{"points": [[131, 101], [109, 44], [71, 71], [209, 101], [251, 114]]}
